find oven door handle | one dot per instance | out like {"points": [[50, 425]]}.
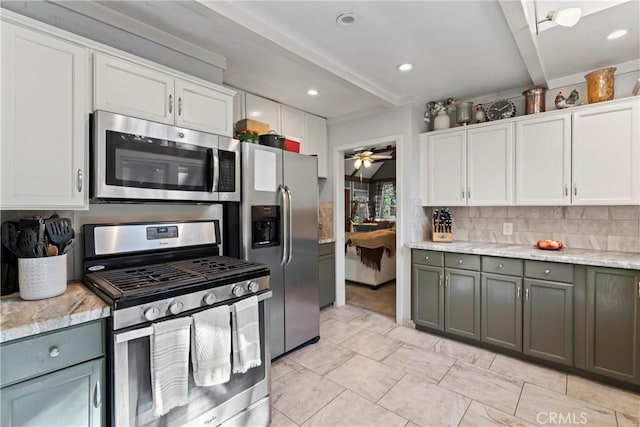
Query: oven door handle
{"points": [[285, 226]]}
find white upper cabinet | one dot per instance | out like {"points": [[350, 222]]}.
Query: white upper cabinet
{"points": [[490, 165], [294, 124], [446, 169], [45, 84], [263, 110], [606, 154], [316, 143], [124, 87], [543, 160]]}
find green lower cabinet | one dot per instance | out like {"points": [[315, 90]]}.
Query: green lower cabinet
{"points": [[501, 310], [548, 320], [428, 296], [68, 397], [327, 272], [613, 323], [462, 303]]}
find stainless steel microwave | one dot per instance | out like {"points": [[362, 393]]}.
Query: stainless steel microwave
{"points": [[138, 160]]}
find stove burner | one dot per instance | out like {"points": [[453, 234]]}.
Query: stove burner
{"points": [[215, 267], [130, 279]]}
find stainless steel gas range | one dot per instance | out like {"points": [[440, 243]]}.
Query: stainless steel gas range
{"points": [[154, 272]]}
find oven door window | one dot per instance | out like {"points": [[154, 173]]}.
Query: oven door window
{"points": [[133, 397], [142, 162]]}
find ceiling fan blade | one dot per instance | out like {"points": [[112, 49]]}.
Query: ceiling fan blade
{"points": [[381, 156]]}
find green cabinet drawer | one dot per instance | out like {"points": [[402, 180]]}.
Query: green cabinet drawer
{"points": [[466, 262], [508, 266], [49, 352], [422, 257], [549, 271], [326, 248]]}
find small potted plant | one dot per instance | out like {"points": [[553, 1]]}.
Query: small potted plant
{"points": [[438, 113]]}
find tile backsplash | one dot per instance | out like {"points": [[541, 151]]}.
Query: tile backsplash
{"points": [[612, 228], [325, 221]]}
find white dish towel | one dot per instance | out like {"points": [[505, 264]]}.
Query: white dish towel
{"points": [[211, 346], [170, 364], [245, 334]]}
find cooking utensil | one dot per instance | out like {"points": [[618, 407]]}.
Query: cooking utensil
{"points": [[52, 250], [60, 231], [28, 243], [10, 237], [69, 246], [272, 139]]}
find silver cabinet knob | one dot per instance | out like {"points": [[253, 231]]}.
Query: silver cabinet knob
{"points": [[152, 313], [500, 265], [209, 298], [426, 258], [176, 308], [54, 352], [253, 287], [460, 261], [547, 271], [237, 291]]}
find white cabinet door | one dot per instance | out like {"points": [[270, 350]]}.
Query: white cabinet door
{"points": [[316, 142], [606, 154], [263, 110], [202, 108], [134, 90], [294, 124], [490, 165], [44, 121], [447, 169], [543, 161]]}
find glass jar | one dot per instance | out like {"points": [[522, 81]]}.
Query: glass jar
{"points": [[463, 112]]}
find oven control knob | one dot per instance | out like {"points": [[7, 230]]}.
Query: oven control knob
{"points": [[176, 308], [237, 291], [152, 313], [209, 298], [253, 287]]}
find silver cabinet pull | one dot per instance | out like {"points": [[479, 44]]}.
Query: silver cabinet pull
{"points": [[547, 271], [446, 281], [500, 266], [462, 193], [170, 104], [518, 293], [526, 294], [54, 352], [440, 279], [469, 193], [97, 395], [179, 105], [566, 190], [460, 261], [575, 189], [426, 258], [80, 179]]}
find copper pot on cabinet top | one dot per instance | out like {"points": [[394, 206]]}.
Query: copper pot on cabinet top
{"points": [[534, 100]]}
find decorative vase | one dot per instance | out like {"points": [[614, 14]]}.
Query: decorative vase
{"points": [[463, 113], [442, 121], [600, 85]]}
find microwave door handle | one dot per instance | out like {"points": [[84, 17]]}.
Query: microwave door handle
{"points": [[283, 196], [213, 170], [290, 221]]}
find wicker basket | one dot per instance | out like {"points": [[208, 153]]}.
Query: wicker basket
{"points": [[41, 278]]}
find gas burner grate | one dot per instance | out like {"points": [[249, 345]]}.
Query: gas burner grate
{"points": [[217, 267], [132, 279]]}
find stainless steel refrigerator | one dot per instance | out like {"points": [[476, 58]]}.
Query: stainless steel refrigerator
{"points": [[279, 222]]}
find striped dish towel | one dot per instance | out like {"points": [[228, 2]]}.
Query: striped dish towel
{"points": [[170, 364], [245, 335], [211, 346]]}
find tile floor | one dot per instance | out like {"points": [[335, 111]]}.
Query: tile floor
{"points": [[366, 371]]}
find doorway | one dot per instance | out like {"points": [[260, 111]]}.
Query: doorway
{"points": [[343, 223]]}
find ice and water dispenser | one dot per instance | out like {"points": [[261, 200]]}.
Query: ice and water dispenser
{"points": [[265, 226]]}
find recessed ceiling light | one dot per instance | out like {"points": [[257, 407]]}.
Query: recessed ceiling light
{"points": [[616, 34], [346, 19], [405, 67], [312, 92]]}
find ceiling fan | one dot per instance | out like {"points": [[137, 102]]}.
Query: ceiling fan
{"points": [[366, 158]]}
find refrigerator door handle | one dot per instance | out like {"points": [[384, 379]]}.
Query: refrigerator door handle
{"points": [[285, 229], [290, 222]]}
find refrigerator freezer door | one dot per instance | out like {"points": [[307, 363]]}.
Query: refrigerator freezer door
{"points": [[301, 298]]}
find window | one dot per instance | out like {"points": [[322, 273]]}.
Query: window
{"points": [[386, 200]]}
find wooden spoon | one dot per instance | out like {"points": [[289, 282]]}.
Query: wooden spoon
{"points": [[52, 250]]}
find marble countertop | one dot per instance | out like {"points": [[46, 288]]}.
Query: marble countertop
{"points": [[628, 260], [330, 240], [20, 318]]}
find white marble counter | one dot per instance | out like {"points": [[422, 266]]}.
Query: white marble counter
{"points": [[628, 260], [20, 318], [323, 241]]}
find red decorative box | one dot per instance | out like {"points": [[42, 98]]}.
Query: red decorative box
{"points": [[292, 144]]}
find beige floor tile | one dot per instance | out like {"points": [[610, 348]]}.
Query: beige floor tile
{"points": [[414, 337], [625, 420], [493, 389], [346, 313], [528, 372], [424, 403], [374, 346], [539, 405], [300, 394], [366, 377], [467, 353], [322, 356], [420, 362], [282, 367], [278, 419], [617, 399], [485, 416], [410, 424], [336, 331], [349, 409], [374, 322]]}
